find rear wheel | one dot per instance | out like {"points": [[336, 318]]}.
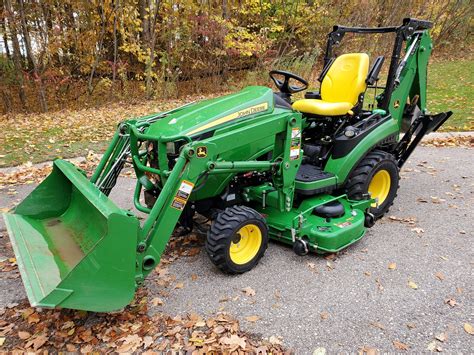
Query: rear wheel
{"points": [[377, 175], [237, 239]]}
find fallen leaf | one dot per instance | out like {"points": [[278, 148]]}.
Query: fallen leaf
{"points": [[200, 323], [412, 285], [179, 285], [87, 349], [130, 343], [71, 348], [469, 328], [379, 284], [324, 315], [68, 325], [319, 351], [392, 266], [147, 341], [440, 276], [252, 318], [442, 337], [23, 335], [411, 325], [194, 277], [234, 340], [2, 341], [34, 318], [377, 325], [157, 301], [275, 340], [219, 329], [451, 302], [312, 266], [434, 346], [37, 342], [367, 350], [399, 345], [193, 251], [249, 291], [418, 230]]}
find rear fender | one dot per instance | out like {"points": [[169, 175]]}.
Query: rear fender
{"points": [[341, 167]]}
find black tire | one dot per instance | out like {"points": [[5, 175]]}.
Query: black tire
{"points": [[224, 232], [357, 186]]}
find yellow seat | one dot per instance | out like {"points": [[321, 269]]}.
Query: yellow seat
{"points": [[341, 87]]}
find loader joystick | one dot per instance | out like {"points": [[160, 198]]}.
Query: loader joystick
{"points": [[282, 81]]}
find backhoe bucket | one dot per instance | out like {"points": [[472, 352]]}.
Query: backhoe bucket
{"points": [[74, 247]]}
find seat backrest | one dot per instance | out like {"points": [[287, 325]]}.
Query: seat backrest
{"points": [[345, 79]]}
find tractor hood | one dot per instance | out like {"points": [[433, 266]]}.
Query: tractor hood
{"points": [[207, 115]]}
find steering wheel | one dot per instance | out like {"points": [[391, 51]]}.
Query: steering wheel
{"points": [[284, 85]]}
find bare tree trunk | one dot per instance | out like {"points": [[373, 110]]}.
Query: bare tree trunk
{"points": [[114, 68], [4, 31], [151, 47], [142, 6], [16, 52], [31, 58], [103, 21], [7, 102]]}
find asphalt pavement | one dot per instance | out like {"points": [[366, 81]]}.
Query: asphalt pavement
{"points": [[408, 283]]}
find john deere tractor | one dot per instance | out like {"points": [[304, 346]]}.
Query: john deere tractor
{"points": [[313, 173]]}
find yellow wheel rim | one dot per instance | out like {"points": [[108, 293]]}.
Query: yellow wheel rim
{"points": [[246, 244], [379, 187]]}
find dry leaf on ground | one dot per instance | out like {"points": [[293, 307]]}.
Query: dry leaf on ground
{"points": [[399, 345], [252, 318], [248, 291], [234, 340], [469, 328]]}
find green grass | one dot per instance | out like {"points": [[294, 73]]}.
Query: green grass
{"points": [[42, 137], [451, 87]]}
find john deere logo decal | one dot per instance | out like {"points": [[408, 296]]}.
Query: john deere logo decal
{"points": [[201, 152], [233, 116]]}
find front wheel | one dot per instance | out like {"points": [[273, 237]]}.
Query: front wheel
{"points": [[377, 175], [237, 239]]}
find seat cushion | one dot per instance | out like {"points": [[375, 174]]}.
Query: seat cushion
{"points": [[322, 108], [345, 79]]}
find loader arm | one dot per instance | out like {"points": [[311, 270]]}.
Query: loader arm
{"points": [[192, 164]]}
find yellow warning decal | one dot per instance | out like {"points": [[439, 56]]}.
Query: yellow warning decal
{"points": [[242, 113], [295, 143], [182, 195]]}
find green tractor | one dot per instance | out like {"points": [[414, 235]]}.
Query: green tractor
{"points": [[313, 173]]}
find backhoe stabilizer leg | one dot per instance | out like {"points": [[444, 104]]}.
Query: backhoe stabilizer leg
{"points": [[425, 124]]}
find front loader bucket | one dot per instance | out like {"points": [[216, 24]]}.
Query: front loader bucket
{"points": [[74, 247]]}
